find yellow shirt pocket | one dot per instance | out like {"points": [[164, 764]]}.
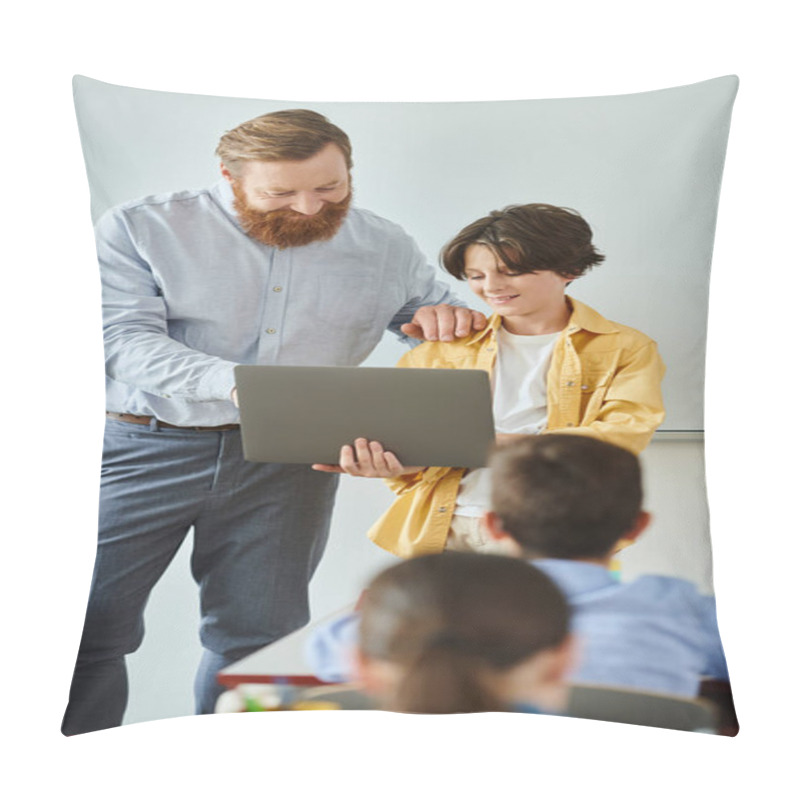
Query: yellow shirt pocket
{"points": [[594, 386]]}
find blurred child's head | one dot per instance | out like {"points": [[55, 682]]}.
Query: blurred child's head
{"points": [[566, 496], [536, 237], [463, 632]]}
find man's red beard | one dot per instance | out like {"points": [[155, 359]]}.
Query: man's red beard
{"points": [[284, 228]]}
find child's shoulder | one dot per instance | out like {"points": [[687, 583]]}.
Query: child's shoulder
{"points": [[447, 354], [589, 319], [632, 337], [670, 595]]}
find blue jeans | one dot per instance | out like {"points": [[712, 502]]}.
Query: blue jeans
{"points": [[259, 533]]}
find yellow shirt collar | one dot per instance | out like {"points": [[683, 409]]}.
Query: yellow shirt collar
{"points": [[585, 318], [582, 318]]}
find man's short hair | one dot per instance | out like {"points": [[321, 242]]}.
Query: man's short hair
{"points": [[565, 496], [528, 238], [292, 135]]}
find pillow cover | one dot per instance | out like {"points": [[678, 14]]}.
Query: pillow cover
{"points": [[644, 170]]}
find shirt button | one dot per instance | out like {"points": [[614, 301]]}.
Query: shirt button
{"points": [[270, 330], [442, 509], [570, 424], [570, 383], [277, 288]]}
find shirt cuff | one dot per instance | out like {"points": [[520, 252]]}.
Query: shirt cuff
{"points": [[217, 383]]}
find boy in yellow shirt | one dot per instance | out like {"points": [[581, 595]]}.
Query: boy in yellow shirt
{"points": [[556, 365]]}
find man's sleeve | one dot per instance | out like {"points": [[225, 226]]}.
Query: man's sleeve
{"points": [[138, 348], [422, 289]]}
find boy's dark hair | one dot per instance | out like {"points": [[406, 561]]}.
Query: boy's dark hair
{"points": [[528, 238], [565, 496], [455, 621]]}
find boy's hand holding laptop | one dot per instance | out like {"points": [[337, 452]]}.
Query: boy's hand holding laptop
{"points": [[365, 459]]}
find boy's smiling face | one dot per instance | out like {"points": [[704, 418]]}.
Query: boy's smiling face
{"points": [[529, 302]]}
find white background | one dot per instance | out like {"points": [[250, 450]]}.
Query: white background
{"points": [[53, 387]]}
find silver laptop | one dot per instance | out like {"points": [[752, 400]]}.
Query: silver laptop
{"points": [[426, 417]]}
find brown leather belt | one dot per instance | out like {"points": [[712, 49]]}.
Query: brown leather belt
{"points": [[140, 420]]}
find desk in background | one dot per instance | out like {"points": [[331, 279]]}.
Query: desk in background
{"points": [[282, 662]]}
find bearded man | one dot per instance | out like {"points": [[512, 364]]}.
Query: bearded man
{"points": [[272, 265]]}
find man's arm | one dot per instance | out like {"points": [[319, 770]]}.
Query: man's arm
{"points": [[433, 311], [138, 348]]}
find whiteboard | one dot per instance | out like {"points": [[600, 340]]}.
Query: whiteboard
{"points": [[643, 169]]}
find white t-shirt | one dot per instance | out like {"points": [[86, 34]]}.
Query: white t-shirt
{"points": [[519, 404]]}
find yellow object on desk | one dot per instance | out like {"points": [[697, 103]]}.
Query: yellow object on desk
{"points": [[615, 567], [315, 705]]}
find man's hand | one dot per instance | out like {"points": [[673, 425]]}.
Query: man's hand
{"points": [[444, 323], [367, 460]]}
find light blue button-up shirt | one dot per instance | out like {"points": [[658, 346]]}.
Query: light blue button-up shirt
{"points": [[187, 295], [654, 633]]}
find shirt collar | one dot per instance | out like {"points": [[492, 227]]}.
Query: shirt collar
{"points": [[582, 318], [585, 318], [222, 192], [575, 577], [493, 324]]}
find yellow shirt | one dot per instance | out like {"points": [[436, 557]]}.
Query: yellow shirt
{"points": [[604, 381]]}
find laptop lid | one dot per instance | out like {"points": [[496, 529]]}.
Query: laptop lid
{"points": [[426, 417]]}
